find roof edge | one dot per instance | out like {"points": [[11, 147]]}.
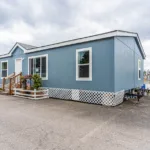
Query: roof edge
{"points": [[79, 40]]}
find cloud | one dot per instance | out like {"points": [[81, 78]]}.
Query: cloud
{"points": [[39, 22]]}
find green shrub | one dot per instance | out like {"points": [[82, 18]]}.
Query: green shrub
{"points": [[37, 81]]}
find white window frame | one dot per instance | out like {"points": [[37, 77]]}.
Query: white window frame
{"points": [[139, 68], [1, 68], [90, 64], [39, 56]]}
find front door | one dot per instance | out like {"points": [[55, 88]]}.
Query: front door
{"points": [[18, 66]]}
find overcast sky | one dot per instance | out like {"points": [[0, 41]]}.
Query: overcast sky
{"points": [[40, 22]]}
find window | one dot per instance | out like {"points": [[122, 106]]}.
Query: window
{"points": [[4, 69], [84, 64], [139, 69], [39, 65]]}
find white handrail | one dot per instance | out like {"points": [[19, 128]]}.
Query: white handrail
{"points": [[11, 75], [17, 93], [17, 89]]}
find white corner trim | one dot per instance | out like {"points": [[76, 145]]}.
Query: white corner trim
{"points": [[139, 68], [37, 56], [90, 64], [1, 68]]}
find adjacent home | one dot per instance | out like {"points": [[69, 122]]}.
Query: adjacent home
{"points": [[95, 69]]}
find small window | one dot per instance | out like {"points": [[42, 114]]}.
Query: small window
{"points": [[139, 69], [84, 64], [38, 65], [4, 69]]}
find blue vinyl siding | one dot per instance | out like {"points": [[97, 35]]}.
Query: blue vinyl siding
{"points": [[62, 66], [114, 65], [126, 55], [18, 53]]}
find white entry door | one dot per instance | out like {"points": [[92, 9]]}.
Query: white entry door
{"points": [[18, 66]]}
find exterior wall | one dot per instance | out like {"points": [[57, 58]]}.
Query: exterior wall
{"points": [[62, 66], [126, 55], [18, 53]]}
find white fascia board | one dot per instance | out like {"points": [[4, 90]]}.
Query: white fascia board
{"points": [[86, 39], [141, 47], [119, 33], [81, 40], [17, 45], [12, 50], [4, 56]]}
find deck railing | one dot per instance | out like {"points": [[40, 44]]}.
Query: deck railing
{"points": [[31, 94], [11, 82], [6, 81]]}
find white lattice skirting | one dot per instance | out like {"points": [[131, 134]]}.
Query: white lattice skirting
{"points": [[95, 97]]}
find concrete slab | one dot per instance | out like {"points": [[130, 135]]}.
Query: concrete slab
{"points": [[66, 125]]}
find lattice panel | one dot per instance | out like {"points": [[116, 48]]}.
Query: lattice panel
{"points": [[60, 93], [108, 98], [95, 97], [90, 96]]}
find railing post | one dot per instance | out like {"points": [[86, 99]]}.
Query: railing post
{"points": [[34, 93], [15, 91], [20, 80], [3, 84], [10, 87], [47, 93]]}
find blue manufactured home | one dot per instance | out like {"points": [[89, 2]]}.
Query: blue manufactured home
{"points": [[95, 69]]}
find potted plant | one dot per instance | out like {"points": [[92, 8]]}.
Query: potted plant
{"points": [[37, 81], [23, 82]]}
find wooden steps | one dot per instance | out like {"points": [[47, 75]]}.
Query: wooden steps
{"points": [[11, 82], [4, 93]]}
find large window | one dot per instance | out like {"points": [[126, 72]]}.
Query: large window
{"points": [[139, 69], [4, 69], [84, 64], [39, 65]]}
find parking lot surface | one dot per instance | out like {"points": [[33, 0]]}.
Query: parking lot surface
{"points": [[53, 124]]}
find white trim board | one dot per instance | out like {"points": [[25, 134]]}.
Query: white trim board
{"points": [[90, 64], [12, 50], [80, 40], [139, 69], [1, 68], [37, 56]]}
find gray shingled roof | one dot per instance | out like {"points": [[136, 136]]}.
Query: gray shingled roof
{"points": [[26, 46]]}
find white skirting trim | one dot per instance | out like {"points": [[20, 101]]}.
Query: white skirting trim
{"points": [[95, 97]]}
